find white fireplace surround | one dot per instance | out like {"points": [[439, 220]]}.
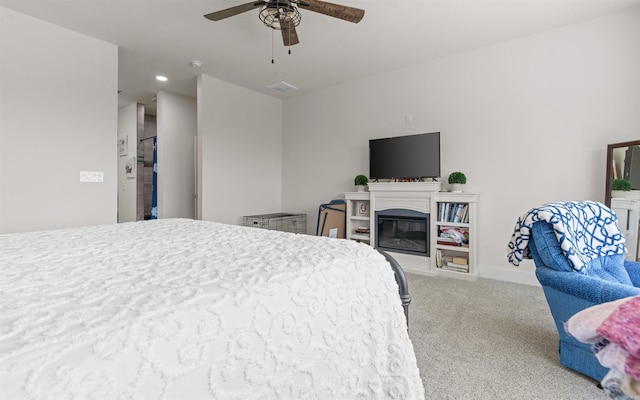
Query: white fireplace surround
{"points": [[417, 196], [409, 195]]}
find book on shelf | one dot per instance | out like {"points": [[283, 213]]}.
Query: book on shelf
{"points": [[453, 212], [460, 260], [446, 241], [362, 230], [465, 214], [455, 267], [446, 261], [457, 216], [442, 259]]}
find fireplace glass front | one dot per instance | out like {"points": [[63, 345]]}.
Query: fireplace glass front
{"points": [[403, 231]]}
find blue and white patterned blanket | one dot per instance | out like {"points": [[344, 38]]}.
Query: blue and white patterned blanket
{"points": [[585, 230]]}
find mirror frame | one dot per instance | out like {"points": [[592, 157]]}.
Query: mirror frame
{"points": [[609, 176]]}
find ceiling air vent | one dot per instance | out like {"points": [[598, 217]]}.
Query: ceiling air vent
{"points": [[282, 87]]}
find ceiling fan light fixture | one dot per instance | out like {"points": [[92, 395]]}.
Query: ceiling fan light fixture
{"points": [[280, 16]]}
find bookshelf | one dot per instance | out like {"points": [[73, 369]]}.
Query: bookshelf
{"points": [[453, 235], [358, 216]]}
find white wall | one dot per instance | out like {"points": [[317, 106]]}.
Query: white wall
{"points": [[177, 129], [127, 187], [58, 116], [527, 120], [240, 151]]}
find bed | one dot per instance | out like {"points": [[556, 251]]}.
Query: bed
{"points": [[185, 309]]}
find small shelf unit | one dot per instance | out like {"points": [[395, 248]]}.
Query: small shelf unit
{"points": [[453, 237], [358, 216]]}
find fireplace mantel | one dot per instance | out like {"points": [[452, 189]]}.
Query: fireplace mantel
{"points": [[405, 186], [404, 195]]}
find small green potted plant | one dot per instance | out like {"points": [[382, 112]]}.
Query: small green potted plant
{"points": [[620, 188], [457, 180], [361, 181]]}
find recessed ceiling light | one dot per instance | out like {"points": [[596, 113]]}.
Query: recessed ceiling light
{"points": [[162, 78]]}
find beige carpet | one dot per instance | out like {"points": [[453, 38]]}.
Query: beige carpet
{"points": [[489, 340]]}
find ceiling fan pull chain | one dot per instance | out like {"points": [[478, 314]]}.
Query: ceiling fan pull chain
{"points": [[289, 33], [272, 62]]}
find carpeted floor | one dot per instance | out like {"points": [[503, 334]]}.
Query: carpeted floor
{"points": [[489, 340]]}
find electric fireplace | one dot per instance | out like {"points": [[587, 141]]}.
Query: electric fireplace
{"points": [[403, 231]]}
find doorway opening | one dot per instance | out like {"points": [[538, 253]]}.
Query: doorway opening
{"points": [[146, 185]]}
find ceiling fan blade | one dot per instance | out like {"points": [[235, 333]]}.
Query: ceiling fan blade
{"points": [[346, 13], [289, 34], [230, 12]]}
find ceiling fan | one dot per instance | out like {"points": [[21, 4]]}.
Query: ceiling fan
{"points": [[283, 15]]}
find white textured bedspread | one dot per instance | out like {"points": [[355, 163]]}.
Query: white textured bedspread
{"points": [[183, 309]]}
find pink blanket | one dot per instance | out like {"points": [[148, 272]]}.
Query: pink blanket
{"points": [[613, 330], [623, 327]]}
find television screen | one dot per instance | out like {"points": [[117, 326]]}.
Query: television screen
{"points": [[405, 157]]}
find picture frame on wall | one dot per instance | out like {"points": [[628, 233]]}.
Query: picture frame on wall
{"points": [[123, 145], [130, 167]]}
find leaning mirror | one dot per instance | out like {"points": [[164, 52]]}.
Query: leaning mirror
{"points": [[623, 162]]}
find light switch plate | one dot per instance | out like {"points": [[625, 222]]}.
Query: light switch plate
{"points": [[91, 176]]}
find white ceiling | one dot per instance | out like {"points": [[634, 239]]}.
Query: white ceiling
{"points": [[163, 36]]}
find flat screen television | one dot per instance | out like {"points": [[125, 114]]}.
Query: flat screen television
{"points": [[405, 157]]}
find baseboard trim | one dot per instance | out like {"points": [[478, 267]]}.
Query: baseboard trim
{"points": [[513, 275], [419, 266]]}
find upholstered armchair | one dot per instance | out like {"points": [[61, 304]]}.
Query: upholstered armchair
{"points": [[552, 240]]}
